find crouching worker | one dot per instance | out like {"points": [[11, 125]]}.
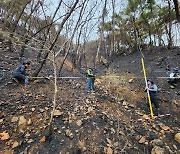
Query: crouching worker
{"points": [[20, 73], [174, 77], [90, 80], [152, 88]]}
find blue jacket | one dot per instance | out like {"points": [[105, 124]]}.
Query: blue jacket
{"points": [[21, 70], [153, 90]]}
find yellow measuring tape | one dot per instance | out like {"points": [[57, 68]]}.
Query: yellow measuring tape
{"points": [[149, 99]]}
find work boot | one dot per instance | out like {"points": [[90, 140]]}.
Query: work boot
{"points": [[157, 111]]}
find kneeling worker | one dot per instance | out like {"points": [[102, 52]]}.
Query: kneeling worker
{"points": [[153, 95], [20, 73]]}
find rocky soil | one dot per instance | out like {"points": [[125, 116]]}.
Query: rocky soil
{"points": [[88, 123]]}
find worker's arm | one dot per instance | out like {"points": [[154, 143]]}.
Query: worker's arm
{"points": [[90, 74]]}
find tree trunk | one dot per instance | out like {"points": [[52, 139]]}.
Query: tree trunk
{"points": [[177, 9], [101, 34], [20, 15], [170, 43]]}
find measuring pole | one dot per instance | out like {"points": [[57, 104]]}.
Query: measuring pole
{"points": [[145, 78]]}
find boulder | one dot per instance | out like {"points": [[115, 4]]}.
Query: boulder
{"points": [[177, 137]]}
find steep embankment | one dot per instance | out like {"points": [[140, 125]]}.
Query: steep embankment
{"points": [[88, 123]]}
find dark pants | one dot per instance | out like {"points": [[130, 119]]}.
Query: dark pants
{"points": [[20, 77], [154, 100], [89, 84]]}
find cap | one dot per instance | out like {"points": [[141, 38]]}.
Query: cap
{"points": [[150, 80], [26, 62]]}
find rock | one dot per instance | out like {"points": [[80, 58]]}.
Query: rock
{"points": [[157, 142], [177, 137], [41, 110], [130, 80], [145, 117], [175, 102], [157, 150], [15, 144], [33, 109], [22, 121], [142, 140], [81, 144], [175, 147], [165, 128], [138, 137], [125, 103], [109, 142], [14, 119], [30, 141], [29, 122], [172, 87], [109, 151], [43, 139], [69, 134], [4, 136], [116, 144], [57, 113], [7, 152], [1, 120], [27, 135], [79, 122], [162, 132], [90, 109]]}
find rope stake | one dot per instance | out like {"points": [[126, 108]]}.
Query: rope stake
{"points": [[149, 118]]}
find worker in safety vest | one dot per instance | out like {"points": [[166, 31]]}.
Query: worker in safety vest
{"points": [[90, 80], [152, 88], [20, 73]]}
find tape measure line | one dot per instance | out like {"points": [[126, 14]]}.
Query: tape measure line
{"points": [[77, 77]]}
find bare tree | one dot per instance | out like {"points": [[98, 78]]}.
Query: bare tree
{"points": [[39, 67], [101, 28]]}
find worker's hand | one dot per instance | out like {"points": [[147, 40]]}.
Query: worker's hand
{"points": [[147, 88]]}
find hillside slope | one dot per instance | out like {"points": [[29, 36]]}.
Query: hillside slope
{"points": [[90, 123]]}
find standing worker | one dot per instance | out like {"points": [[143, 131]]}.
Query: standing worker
{"points": [[90, 80], [20, 73], [153, 95]]}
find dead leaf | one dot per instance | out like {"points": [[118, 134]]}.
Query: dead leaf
{"points": [[15, 144], [109, 151], [4, 136], [43, 139]]}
